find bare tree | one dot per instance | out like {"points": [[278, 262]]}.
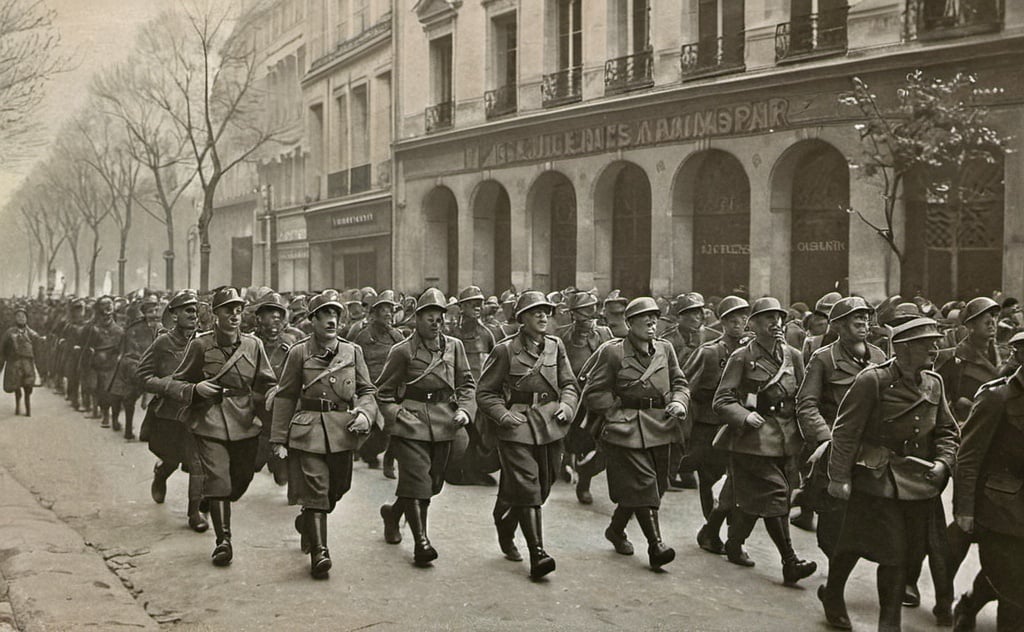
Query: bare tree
{"points": [[29, 58], [154, 142], [206, 77]]}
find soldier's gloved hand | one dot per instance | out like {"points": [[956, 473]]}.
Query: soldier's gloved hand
{"points": [[965, 522], [511, 420], [937, 474], [839, 490], [461, 418], [207, 389], [563, 415], [754, 420], [279, 450], [360, 424], [675, 409]]}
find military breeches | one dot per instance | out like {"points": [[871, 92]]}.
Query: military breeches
{"points": [[318, 481], [228, 466], [421, 466], [527, 472], [637, 477], [886, 531], [760, 484]]}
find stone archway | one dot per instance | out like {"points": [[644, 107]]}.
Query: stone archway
{"points": [[551, 206], [441, 255], [492, 238], [622, 227]]}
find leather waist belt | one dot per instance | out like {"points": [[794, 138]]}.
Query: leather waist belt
{"points": [[427, 397], [529, 398], [235, 392], [642, 403], [320, 405]]}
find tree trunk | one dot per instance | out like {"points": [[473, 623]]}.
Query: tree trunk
{"points": [[92, 260], [78, 271], [122, 259], [169, 253], [204, 241]]}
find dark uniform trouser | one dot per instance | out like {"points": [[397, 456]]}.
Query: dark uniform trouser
{"points": [[318, 481], [1001, 561], [228, 466], [527, 472], [185, 454], [421, 466], [637, 477]]}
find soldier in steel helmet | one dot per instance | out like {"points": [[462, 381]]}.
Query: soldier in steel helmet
{"points": [[893, 448], [139, 334], [17, 356], [529, 395], [613, 310], [323, 409], [99, 359], [757, 401], [818, 332], [271, 314], [219, 378], [639, 392], [703, 371], [426, 393]]}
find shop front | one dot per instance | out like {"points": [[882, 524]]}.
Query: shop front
{"points": [[350, 245]]}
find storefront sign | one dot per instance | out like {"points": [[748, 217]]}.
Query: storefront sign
{"points": [[291, 228], [745, 118], [339, 221], [725, 249], [362, 220], [834, 245]]}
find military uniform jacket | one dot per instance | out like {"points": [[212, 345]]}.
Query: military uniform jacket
{"points": [[232, 415], [137, 338], [989, 482], [376, 343], [580, 346], [338, 382], [477, 340], [623, 373], [514, 372], [885, 418], [964, 369], [703, 371], [155, 368], [830, 373], [74, 336], [277, 350], [411, 363], [102, 342], [756, 380], [683, 343]]}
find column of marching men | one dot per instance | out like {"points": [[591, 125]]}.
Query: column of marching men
{"points": [[855, 415]]}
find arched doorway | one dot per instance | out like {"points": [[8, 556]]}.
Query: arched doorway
{"points": [[492, 237], [812, 182], [954, 249], [713, 187], [622, 222], [552, 205], [441, 252]]}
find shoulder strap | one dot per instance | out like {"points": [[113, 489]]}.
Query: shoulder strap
{"points": [[338, 362], [787, 365], [231, 362], [658, 361], [435, 361]]}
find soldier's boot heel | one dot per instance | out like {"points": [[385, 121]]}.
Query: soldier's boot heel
{"points": [[890, 583], [302, 526], [965, 614], [616, 531], [583, 495], [505, 523], [835, 609], [28, 404], [415, 514], [740, 526], [114, 420], [196, 521], [158, 488], [531, 523], [319, 556], [392, 514], [220, 514], [658, 554], [17, 403], [793, 568]]}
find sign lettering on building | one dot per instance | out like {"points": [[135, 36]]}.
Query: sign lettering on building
{"points": [[833, 245], [339, 221], [744, 118], [724, 249]]}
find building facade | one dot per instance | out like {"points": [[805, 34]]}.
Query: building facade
{"points": [[663, 146]]}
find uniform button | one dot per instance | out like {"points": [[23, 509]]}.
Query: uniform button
{"points": [[917, 430], [916, 418]]}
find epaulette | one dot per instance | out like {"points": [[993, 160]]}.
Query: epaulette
{"points": [[884, 364], [991, 384], [203, 334], [303, 339]]}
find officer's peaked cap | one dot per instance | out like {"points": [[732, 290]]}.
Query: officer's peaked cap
{"points": [[615, 296], [226, 296], [183, 298], [327, 298]]}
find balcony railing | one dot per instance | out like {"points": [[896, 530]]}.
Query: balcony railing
{"points": [[944, 19], [337, 184], [500, 101], [564, 86], [631, 72], [359, 179], [813, 35], [438, 116], [712, 56]]}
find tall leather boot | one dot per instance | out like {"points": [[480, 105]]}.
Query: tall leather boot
{"points": [[28, 401], [415, 515], [530, 522], [196, 521], [392, 514], [793, 568], [114, 422], [220, 514], [129, 419], [891, 585], [319, 556], [583, 495], [657, 553], [302, 526], [17, 402], [832, 593], [740, 526], [505, 522], [709, 538], [158, 488], [616, 531]]}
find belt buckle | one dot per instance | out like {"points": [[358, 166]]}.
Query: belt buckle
{"points": [[647, 402], [432, 397], [326, 406]]}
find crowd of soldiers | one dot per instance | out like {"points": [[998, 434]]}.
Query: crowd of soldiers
{"points": [[848, 418]]}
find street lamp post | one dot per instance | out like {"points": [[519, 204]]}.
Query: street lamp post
{"points": [[268, 203]]}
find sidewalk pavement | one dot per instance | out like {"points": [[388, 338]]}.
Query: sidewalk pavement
{"points": [[50, 579]]}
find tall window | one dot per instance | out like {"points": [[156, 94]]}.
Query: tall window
{"points": [[441, 69], [360, 15], [341, 20], [505, 29], [720, 19], [341, 142], [641, 22], [360, 126], [570, 34]]}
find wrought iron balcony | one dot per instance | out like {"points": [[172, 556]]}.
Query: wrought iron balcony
{"points": [[564, 86], [944, 19], [631, 72], [500, 101], [439, 116], [712, 56], [812, 35]]}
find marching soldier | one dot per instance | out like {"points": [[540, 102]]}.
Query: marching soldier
{"points": [[222, 372], [510, 326], [271, 315], [757, 400], [529, 395], [324, 406], [988, 497], [426, 393], [299, 324], [99, 359], [357, 308], [818, 333], [73, 340], [613, 311], [17, 356], [169, 438], [639, 392], [975, 360], [490, 317], [893, 448], [830, 373], [581, 339], [125, 386], [703, 371]]}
